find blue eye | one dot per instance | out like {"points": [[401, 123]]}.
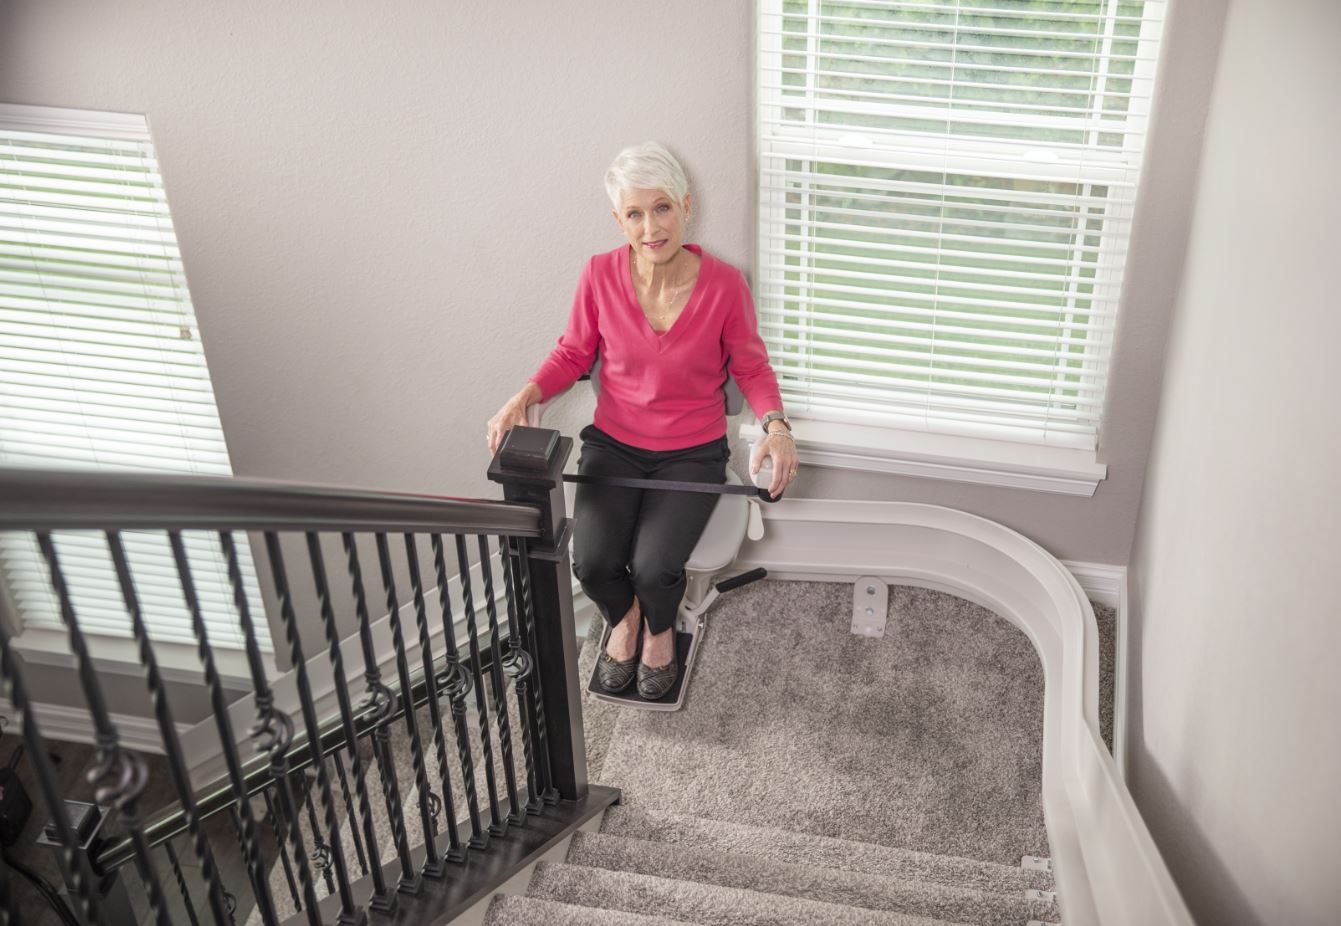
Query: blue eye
{"points": [[663, 208], [634, 215]]}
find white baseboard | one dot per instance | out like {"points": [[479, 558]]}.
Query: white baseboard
{"points": [[75, 725]]}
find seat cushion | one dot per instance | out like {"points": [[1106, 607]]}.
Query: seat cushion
{"points": [[721, 539]]}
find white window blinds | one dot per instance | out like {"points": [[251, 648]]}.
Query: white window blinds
{"points": [[946, 192], [101, 365]]}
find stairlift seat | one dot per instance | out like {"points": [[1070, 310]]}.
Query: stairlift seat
{"points": [[724, 533]]}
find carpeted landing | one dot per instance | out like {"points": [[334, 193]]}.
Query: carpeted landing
{"points": [[815, 777]]}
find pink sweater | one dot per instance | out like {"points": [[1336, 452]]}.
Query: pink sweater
{"points": [[662, 391]]}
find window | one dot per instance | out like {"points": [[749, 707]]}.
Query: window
{"points": [[946, 194], [101, 365]]}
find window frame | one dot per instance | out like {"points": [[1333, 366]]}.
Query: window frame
{"points": [[826, 439], [178, 661]]}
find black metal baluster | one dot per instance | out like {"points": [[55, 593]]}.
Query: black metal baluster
{"points": [[349, 809], [455, 851], [518, 666], [250, 845], [321, 853], [181, 883], [516, 812], [350, 912], [433, 867], [167, 730], [73, 862], [383, 706], [276, 827], [456, 685], [273, 731], [544, 770], [497, 825], [383, 901]]}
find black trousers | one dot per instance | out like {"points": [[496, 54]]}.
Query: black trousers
{"points": [[629, 542]]}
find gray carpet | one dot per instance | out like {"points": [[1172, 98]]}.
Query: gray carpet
{"points": [[928, 739]]}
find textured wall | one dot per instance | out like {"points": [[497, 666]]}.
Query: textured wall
{"points": [[1234, 745], [383, 208]]}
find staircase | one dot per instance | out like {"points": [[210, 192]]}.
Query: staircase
{"points": [[641, 869], [676, 853]]}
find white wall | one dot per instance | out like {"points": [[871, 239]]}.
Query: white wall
{"points": [[383, 209], [1235, 740]]}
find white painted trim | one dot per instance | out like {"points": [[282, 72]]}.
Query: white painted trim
{"points": [[75, 725], [957, 458], [1108, 586], [178, 663], [1108, 868], [57, 121]]}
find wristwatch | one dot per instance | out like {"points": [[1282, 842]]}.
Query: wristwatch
{"points": [[775, 416]]}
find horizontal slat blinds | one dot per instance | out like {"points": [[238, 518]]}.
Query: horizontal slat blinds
{"points": [[101, 365], [946, 191]]}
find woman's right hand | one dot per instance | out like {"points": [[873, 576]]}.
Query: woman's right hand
{"points": [[512, 414]]}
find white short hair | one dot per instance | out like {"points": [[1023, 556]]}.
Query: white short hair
{"points": [[648, 166]]}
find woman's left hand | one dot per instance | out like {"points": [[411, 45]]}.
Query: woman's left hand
{"points": [[781, 449]]}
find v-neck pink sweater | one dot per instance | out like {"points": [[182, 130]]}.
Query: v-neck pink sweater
{"points": [[662, 391]]}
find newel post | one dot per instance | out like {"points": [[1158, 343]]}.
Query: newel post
{"points": [[529, 465]]}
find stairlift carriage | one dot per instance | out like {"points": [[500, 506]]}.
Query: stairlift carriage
{"points": [[735, 517]]}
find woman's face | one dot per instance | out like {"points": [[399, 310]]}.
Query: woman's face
{"points": [[653, 222]]}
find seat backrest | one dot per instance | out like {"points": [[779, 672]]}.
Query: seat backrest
{"points": [[735, 400]]}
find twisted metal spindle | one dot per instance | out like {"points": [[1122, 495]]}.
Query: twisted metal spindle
{"points": [[272, 730], [383, 705], [544, 770], [516, 812], [248, 841], [181, 779], [276, 828], [433, 866], [72, 861], [350, 912], [497, 825], [518, 665], [321, 853], [349, 809], [181, 883], [456, 685], [381, 901], [455, 851]]}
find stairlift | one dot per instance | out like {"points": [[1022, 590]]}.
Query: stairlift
{"points": [[735, 517]]}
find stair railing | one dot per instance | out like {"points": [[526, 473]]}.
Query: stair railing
{"points": [[485, 820]]}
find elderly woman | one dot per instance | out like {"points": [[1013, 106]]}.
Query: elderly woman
{"points": [[669, 321]]}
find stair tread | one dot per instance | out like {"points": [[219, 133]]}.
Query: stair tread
{"points": [[706, 904], [733, 869], [830, 852], [508, 909]]}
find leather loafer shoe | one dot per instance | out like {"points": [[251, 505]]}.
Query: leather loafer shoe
{"points": [[653, 683], [614, 676]]}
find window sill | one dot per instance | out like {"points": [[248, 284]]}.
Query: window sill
{"points": [[177, 662], [956, 458]]}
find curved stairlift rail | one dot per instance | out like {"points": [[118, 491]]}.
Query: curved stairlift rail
{"points": [[1108, 868]]}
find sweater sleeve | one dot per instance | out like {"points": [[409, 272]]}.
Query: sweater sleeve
{"points": [[747, 357], [576, 349]]}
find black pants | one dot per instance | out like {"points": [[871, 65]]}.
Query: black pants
{"points": [[631, 542]]}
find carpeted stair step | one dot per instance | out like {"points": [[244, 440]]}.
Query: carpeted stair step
{"points": [[807, 882], [514, 910], [706, 904], [810, 850]]}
